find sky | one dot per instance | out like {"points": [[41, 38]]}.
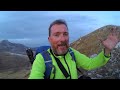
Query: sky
{"points": [[31, 27]]}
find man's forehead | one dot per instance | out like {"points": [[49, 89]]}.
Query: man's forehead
{"points": [[59, 31], [59, 28]]}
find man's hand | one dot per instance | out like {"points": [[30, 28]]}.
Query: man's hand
{"points": [[111, 41]]}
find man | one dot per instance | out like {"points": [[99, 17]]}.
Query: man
{"points": [[59, 40]]}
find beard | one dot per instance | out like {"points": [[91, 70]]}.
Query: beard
{"points": [[61, 49]]}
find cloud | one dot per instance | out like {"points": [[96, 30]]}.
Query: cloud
{"points": [[31, 27]]}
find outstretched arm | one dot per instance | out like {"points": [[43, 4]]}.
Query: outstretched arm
{"points": [[100, 59]]}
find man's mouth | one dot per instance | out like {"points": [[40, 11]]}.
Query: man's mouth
{"points": [[62, 46]]}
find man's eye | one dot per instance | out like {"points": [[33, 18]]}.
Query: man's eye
{"points": [[56, 35], [66, 34]]}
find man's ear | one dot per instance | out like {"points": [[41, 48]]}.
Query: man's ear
{"points": [[49, 39]]}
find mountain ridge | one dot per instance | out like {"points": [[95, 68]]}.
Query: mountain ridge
{"points": [[89, 44]]}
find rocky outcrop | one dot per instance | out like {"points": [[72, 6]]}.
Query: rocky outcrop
{"points": [[111, 70]]}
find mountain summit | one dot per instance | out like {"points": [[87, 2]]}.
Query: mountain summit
{"points": [[6, 46]]}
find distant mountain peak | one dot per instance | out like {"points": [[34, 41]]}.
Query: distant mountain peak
{"points": [[6, 45], [5, 41]]}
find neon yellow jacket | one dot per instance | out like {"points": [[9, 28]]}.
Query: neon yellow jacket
{"points": [[82, 61]]}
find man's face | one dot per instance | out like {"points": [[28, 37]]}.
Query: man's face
{"points": [[59, 39]]}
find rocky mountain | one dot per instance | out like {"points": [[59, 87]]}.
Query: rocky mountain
{"points": [[6, 46], [91, 46], [14, 62]]}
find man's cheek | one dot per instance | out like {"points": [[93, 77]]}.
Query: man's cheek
{"points": [[55, 45]]}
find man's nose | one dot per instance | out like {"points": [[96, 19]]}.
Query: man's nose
{"points": [[62, 38]]}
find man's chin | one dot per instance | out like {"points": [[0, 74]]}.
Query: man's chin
{"points": [[62, 52]]}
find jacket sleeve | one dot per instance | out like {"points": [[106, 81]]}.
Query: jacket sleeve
{"points": [[91, 63], [38, 68]]}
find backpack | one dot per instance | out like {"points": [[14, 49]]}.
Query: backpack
{"points": [[47, 59]]}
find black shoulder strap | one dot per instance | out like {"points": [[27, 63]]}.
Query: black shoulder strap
{"points": [[62, 68]]}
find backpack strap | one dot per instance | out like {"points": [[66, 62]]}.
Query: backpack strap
{"points": [[48, 64], [73, 58], [72, 54], [47, 59]]}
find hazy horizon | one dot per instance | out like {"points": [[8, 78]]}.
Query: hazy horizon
{"points": [[31, 27]]}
